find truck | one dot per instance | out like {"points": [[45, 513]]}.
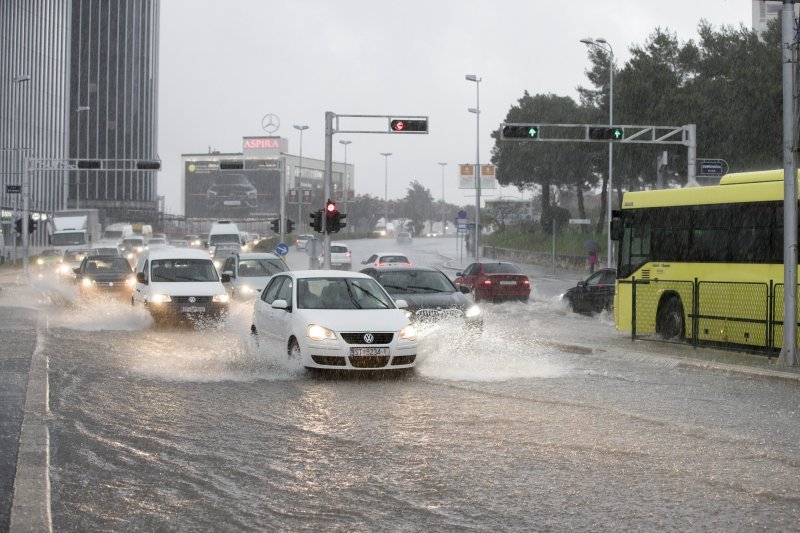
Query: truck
{"points": [[74, 228]]}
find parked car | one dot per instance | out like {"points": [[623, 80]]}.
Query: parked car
{"points": [[302, 240], [341, 256], [594, 294], [250, 272], [430, 295], [175, 284], [496, 280], [387, 259], [334, 320], [105, 275], [403, 237]]}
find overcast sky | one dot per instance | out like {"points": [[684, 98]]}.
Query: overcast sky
{"points": [[226, 64]]}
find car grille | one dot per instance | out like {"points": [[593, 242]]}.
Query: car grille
{"points": [[328, 360], [369, 361], [403, 360], [198, 299], [436, 314], [358, 338]]}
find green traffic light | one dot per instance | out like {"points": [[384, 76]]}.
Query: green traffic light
{"points": [[617, 133], [533, 132]]}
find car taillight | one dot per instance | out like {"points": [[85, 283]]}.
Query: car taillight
{"points": [[349, 255], [487, 282], [526, 282], [379, 264], [407, 264]]}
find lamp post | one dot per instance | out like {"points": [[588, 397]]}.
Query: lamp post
{"points": [[345, 181], [301, 129], [386, 192], [477, 111], [80, 109], [22, 78], [444, 219], [604, 45]]}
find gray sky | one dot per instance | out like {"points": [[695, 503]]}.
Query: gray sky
{"points": [[225, 64]]}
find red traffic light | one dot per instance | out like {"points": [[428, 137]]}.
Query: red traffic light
{"points": [[403, 125], [330, 207]]}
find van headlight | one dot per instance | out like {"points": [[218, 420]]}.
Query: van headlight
{"points": [[160, 298], [473, 311], [408, 333], [64, 269], [246, 289], [319, 333], [221, 298]]}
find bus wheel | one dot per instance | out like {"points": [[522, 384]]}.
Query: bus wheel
{"points": [[669, 321]]}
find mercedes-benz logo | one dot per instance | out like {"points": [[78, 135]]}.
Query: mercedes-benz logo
{"points": [[369, 338], [270, 123], [192, 299]]}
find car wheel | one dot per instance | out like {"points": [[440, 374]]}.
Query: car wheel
{"points": [[475, 296], [294, 350], [669, 319]]}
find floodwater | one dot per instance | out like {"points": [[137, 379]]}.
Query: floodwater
{"points": [[549, 421]]}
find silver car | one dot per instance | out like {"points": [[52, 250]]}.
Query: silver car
{"points": [[250, 272]]}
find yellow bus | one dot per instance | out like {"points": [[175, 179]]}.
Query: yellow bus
{"points": [[703, 264]]}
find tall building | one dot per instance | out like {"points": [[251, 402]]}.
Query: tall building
{"points": [[79, 81]]}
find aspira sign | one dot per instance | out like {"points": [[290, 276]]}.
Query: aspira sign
{"points": [[264, 146]]}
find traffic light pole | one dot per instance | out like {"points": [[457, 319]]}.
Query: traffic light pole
{"points": [[326, 259]]}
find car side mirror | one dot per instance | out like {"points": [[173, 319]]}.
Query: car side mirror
{"points": [[77, 270], [581, 284], [141, 278], [226, 278], [464, 289], [459, 274], [401, 304], [363, 262], [280, 304], [229, 273]]}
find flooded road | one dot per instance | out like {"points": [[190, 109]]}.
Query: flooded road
{"points": [[198, 430]]}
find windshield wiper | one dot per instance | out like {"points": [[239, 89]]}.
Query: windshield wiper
{"points": [[370, 294], [398, 287], [352, 298], [422, 288]]}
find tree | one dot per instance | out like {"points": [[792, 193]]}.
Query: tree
{"points": [[418, 206]]}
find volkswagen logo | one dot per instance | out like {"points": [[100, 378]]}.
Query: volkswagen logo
{"points": [[270, 123], [369, 338], [192, 299]]}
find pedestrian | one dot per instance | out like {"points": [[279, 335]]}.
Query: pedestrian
{"points": [[592, 260]]}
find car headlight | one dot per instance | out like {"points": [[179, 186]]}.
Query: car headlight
{"points": [[473, 311], [221, 298], [218, 264], [130, 282], [409, 333], [246, 289], [40, 261], [64, 269], [86, 282], [160, 298], [129, 257], [252, 194], [319, 333]]}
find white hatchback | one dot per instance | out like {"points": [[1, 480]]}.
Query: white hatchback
{"points": [[341, 256], [334, 320]]}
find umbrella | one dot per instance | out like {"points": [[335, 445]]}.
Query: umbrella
{"points": [[592, 246]]}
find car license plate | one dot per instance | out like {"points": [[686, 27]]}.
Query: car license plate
{"points": [[369, 351], [508, 283], [193, 309]]}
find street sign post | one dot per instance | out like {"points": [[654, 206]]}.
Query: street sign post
{"points": [[712, 168], [580, 221], [13, 189], [282, 249]]}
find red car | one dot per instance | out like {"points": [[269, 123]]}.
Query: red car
{"points": [[494, 281]]}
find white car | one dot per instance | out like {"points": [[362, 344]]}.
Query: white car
{"points": [[341, 256], [250, 272], [302, 241], [179, 283], [387, 259], [334, 320]]}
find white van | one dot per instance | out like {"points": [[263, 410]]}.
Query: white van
{"points": [[223, 231], [179, 283]]}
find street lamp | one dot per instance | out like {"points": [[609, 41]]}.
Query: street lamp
{"points": [[477, 111], [301, 129], [444, 219], [604, 45], [345, 181], [80, 109], [386, 192], [25, 185]]}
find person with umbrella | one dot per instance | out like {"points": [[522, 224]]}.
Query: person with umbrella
{"points": [[593, 248]]}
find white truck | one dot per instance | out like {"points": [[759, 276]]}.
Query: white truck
{"points": [[74, 228]]}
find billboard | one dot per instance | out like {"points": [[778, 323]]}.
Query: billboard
{"points": [[242, 187], [466, 177]]}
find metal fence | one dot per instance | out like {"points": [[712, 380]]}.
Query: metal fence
{"points": [[714, 312]]}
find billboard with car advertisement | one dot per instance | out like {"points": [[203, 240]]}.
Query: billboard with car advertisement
{"points": [[231, 187]]}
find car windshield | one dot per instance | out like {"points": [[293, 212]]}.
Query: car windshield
{"points": [[51, 253], [255, 268], [75, 256], [341, 293], [338, 249], [405, 281], [501, 268], [393, 259], [105, 251], [107, 265], [183, 270], [219, 238], [132, 242]]}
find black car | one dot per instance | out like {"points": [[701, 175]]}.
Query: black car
{"points": [[594, 294], [430, 295], [104, 275]]}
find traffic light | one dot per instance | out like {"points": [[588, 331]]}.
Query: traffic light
{"points": [[289, 225], [148, 165], [18, 226], [339, 223], [407, 125], [276, 225], [613, 133], [31, 225], [89, 164], [316, 220], [520, 131], [231, 164]]}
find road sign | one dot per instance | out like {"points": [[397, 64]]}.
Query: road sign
{"points": [[462, 214], [712, 168], [282, 249], [13, 189], [580, 221]]}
